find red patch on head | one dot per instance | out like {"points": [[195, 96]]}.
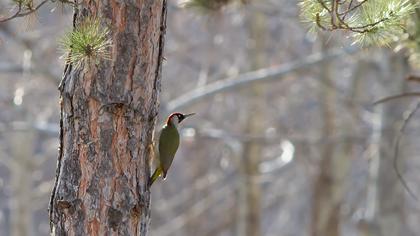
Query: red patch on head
{"points": [[172, 116]]}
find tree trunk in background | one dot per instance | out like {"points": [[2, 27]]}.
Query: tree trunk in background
{"points": [[250, 187], [366, 226], [328, 186], [108, 112], [389, 216], [21, 168], [384, 214]]}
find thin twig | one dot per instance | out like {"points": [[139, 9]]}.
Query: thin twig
{"points": [[33, 9], [263, 75], [347, 11], [318, 22], [413, 78], [353, 8], [368, 27], [398, 96], [14, 15], [338, 21], [324, 6], [333, 12], [408, 117], [19, 12]]}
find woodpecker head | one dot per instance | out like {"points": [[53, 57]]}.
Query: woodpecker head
{"points": [[176, 118]]}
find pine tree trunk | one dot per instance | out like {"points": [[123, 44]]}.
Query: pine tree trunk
{"points": [[108, 112]]}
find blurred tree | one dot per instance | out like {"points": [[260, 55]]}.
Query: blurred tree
{"points": [[254, 126], [21, 170], [326, 199], [388, 215], [380, 22]]}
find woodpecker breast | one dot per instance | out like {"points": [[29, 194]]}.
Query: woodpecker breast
{"points": [[168, 145]]}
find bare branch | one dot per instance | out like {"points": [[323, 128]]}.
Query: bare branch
{"points": [[324, 5], [12, 16], [413, 78], [398, 96], [350, 8], [407, 118], [19, 12], [262, 75]]}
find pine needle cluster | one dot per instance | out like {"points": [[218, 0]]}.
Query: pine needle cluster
{"points": [[88, 42], [379, 22]]}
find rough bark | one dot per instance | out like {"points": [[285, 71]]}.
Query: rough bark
{"points": [[108, 112]]}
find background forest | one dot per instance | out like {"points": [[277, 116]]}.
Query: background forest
{"points": [[301, 151]]}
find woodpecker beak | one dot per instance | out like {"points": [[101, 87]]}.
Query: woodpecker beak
{"points": [[187, 115], [191, 114]]}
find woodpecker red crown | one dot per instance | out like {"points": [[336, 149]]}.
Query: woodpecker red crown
{"points": [[179, 116]]}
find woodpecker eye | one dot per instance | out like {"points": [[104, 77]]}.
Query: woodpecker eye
{"points": [[180, 117]]}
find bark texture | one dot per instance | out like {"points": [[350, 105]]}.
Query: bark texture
{"points": [[108, 113]]}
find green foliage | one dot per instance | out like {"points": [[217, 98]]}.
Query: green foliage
{"points": [[24, 4], [369, 21], [89, 42], [386, 21], [314, 14]]}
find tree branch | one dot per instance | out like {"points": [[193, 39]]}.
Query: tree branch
{"points": [[19, 12], [410, 113], [398, 96], [262, 75]]}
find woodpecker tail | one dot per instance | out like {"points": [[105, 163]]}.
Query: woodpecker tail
{"points": [[156, 174]]}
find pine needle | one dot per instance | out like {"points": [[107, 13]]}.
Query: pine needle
{"points": [[87, 43]]}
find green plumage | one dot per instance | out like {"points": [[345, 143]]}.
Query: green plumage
{"points": [[168, 145]]}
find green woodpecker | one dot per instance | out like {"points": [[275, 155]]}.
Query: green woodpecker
{"points": [[168, 144]]}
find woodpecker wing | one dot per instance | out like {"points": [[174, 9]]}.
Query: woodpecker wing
{"points": [[168, 145]]}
